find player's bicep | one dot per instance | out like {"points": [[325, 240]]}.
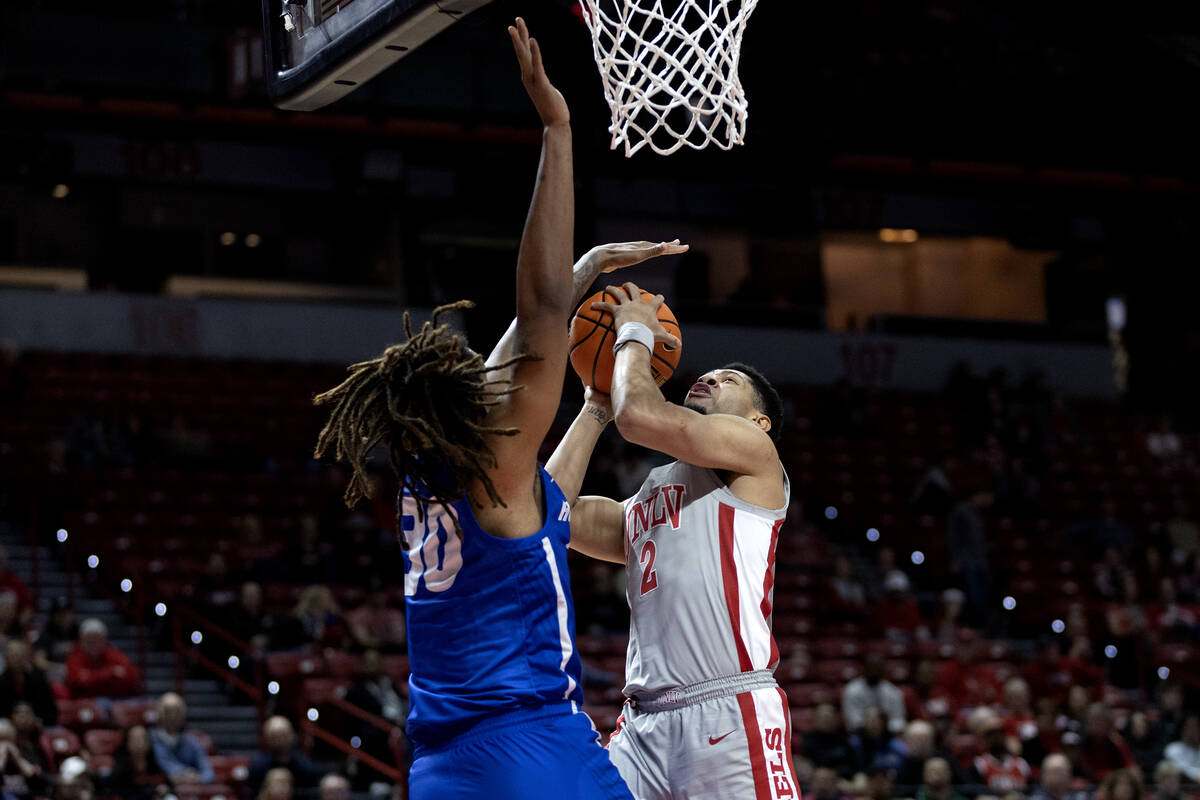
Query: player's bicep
{"points": [[598, 528], [714, 441]]}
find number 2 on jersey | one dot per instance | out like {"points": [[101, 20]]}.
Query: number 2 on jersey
{"points": [[649, 576]]}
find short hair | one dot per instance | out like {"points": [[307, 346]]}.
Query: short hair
{"points": [[767, 399], [93, 625], [1164, 769]]}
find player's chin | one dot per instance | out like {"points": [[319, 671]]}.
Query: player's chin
{"points": [[695, 405]]}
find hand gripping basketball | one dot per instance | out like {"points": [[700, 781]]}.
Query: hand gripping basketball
{"points": [[550, 104], [628, 309]]}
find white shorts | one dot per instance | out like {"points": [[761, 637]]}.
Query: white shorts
{"points": [[736, 747]]}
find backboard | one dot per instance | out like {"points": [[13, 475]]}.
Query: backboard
{"points": [[321, 50]]}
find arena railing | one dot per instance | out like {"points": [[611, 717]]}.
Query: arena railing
{"points": [[187, 650]]}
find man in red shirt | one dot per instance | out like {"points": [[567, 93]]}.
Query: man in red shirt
{"points": [[965, 680], [1104, 750], [97, 669], [10, 582]]}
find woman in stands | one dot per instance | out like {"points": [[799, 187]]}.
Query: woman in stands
{"points": [[136, 774]]}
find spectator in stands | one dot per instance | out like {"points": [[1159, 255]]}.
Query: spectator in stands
{"points": [[29, 732], [10, 620], [373, 691], [281, 751], [1072, 749], [872, 690], [376, 625], [1112, 573], [246, 619], [949, 622], [57, 639], [879, 783], [1169, 616], [897, 616], [1182, 533], [1018, 717], [278, 784], [1056, 780], [936, 781], [966, 545], [828, 746], [824, 785], [334, 787], [847, 598], [996, 768], [1185, 753], [920, 745], [875, 745], [965, 679], [1146, 746], [11, 582], [215, 589], [179, 754], [23, 682], [22, 779], [74, 782], [922, 700], [136, 774], [1167, 781], [932, 492], [319, 617], [1170, 711], [1104, 749], [97, 669], [1121, 784]]}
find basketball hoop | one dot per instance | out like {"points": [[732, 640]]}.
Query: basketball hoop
{"points": [[670, 71]]}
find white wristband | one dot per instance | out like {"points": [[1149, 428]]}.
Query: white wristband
{"points": [[634, 332]]}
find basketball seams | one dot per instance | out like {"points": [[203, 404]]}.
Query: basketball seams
{"points": [[661, 363]]}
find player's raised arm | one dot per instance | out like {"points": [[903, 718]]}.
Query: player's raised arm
{"points": [[543, 282], [718, 440]]}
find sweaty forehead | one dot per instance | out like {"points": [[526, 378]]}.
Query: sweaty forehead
{"points": [[725, 373]]}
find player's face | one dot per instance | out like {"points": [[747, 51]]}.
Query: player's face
{"points": [[722, 391]]}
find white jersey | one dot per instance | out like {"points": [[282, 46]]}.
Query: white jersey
{"points": [[700, 574]]}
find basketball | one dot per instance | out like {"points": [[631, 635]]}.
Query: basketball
{"points": [[592, 338]]}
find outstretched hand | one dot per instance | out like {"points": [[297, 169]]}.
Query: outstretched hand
{"points": [[630, 307], [550, 104], [609, 257]]}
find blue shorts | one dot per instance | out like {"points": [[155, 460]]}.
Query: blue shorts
{"points": [[548, 753]]}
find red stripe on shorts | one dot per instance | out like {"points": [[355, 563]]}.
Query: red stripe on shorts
{"points": [[758, 759], [768, 584], [730, 581]]}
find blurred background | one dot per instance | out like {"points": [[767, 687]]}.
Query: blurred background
{"points": [[959, 237]]}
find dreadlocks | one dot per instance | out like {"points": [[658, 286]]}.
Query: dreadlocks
{"points": [[425, 400]]}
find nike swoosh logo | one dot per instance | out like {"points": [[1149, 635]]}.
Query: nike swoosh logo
{"points": [[711, 740]]}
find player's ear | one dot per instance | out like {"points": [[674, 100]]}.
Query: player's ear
{"points": [[761, 420]]}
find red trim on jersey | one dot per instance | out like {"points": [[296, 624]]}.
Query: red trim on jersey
{"points": [[768, 583], [730, 581], [758, 759], [787, 744]]}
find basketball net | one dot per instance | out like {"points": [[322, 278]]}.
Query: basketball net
{"points": [[671, 74]]}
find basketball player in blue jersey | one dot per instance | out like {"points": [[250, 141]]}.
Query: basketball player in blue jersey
{"points": [[495, 685]]}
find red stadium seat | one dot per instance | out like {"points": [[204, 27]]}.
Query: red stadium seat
{"points": [[341, 665], [102, 742], [127, 713], [81, 715], [290, 665], [320, 690], [230, 769], [58, 744]]}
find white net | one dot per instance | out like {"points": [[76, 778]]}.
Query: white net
{"points": [[670, 71]]}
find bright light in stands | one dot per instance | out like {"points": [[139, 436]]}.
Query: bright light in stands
{"points": [[918, 557], [60, 191], [1110, 651], [93, 561], [1058, 626], [160, 609], [830, 512], [234, 661], [1010, 603], [872, 534], [253, 240], [126, 585], [1164, 672], [227, 238], [273, 687], [62, 534], [313, 715], [197, 637], [355, 742]]}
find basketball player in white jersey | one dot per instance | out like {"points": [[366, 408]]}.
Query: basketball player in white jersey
{"points": [[704, 717]]}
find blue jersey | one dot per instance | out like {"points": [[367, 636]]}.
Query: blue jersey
{"points": [[491, 623]]}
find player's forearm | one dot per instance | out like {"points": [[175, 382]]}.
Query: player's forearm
{"points": [[569, 462], [546, 245], [635, 395]]}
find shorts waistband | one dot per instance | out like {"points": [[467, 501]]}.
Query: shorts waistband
{"points": [[683, 696], [493, 722]]}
